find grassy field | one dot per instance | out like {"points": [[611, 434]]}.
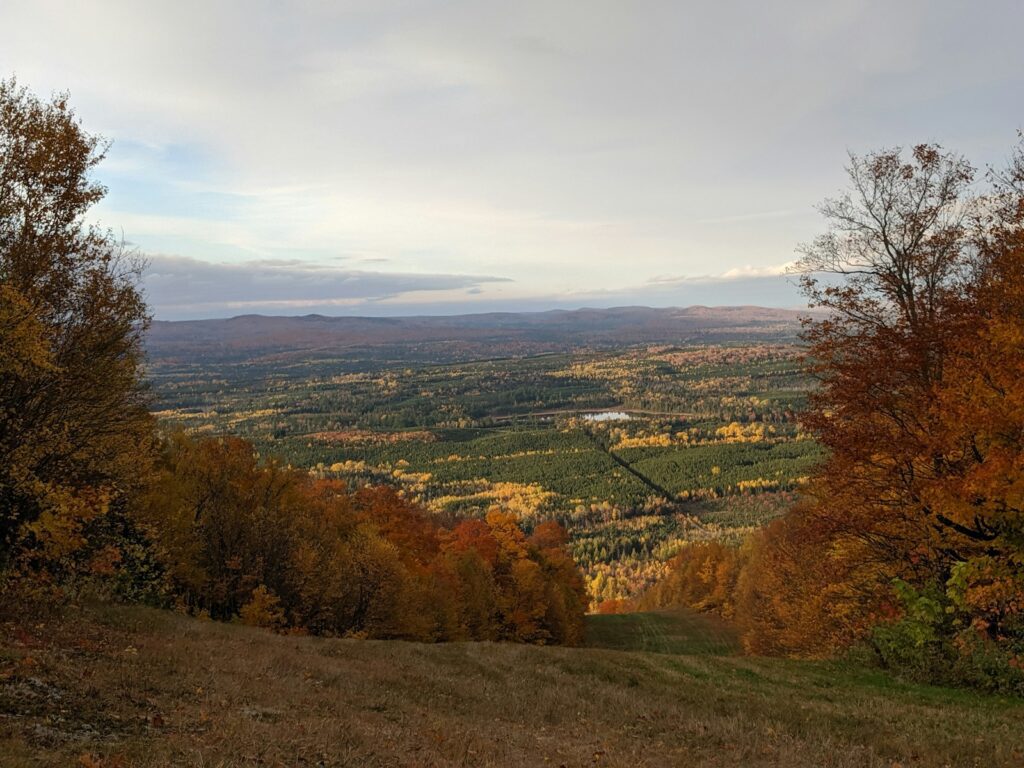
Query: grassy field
{"points": [[111, 686], [675, 632]]}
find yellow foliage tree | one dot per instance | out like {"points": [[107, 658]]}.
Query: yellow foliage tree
{"points": [[75, 431]]}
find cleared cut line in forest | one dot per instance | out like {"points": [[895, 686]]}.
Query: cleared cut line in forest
{"points": [[660, 490]]}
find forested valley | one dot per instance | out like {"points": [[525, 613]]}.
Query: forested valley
{"points": [[848, 491]]}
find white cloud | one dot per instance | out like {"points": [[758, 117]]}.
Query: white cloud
{"points": [[569, 146], [750, 271]]}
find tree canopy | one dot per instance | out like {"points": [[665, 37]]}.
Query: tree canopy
{"points": [[75, 431], [910, 536]]}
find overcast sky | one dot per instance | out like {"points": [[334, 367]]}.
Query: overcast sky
{"points": [[434, 157]]}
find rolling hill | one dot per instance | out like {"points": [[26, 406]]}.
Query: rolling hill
{"points": [[311, 336]]}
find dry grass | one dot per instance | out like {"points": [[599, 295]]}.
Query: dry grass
{"points": [[137, 687]]}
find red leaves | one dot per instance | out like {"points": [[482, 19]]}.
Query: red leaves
{"points": [[473, 535]]}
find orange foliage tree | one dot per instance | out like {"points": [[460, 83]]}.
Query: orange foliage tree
{"points": [[703, 576], [913, 534]]}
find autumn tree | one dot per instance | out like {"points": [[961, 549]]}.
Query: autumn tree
{"points": [[895, 252], [223, 520], [898, 241], [919, 404], [978, 410], [74, 428], [702, 577], [470, 554], [565, 595], [910, 536]]}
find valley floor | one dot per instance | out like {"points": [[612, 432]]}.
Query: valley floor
{"points": [[115, 686]]}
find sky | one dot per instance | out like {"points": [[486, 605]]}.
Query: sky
{"points": [[426, 157]]}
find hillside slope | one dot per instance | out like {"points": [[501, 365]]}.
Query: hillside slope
{"points": [[132, 686]]}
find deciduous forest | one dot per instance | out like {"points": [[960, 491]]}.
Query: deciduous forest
{"points": [[853, 489]]}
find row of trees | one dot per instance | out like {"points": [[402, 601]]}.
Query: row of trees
{"points": [[91, 494], [241, 537], [911, 536]]}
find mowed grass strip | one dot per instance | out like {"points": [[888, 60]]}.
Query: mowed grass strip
{"points": [[141, 687], [670, 631]]}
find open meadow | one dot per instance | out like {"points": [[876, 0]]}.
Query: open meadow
{"points": [[130, 686]]}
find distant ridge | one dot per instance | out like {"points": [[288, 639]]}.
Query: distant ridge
{"points": [[255, 336]]}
